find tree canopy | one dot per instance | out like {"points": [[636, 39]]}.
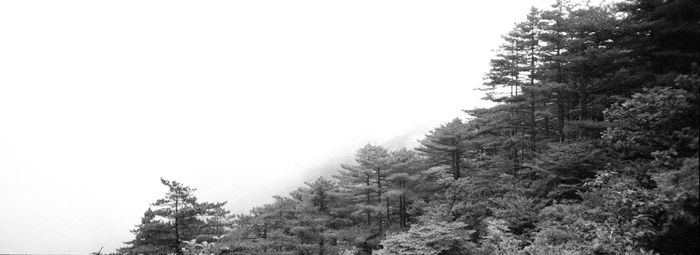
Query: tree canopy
{"points": [[175, 218]]}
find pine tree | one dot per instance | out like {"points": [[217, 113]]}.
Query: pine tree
{"points": [[319, 201], [152, 236], [406, 166], [662, 37], [444, 146], [592, 61], [356, 185], [553, 38], [180, 218], [527, 34], [366, 183]]}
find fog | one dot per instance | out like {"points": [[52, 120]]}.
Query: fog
{"points": [[239, 99]]}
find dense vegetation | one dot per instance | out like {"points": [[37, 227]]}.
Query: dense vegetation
{"points": [[591, 149]]}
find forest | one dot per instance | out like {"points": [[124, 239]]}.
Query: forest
{"points": [[591, 147]]}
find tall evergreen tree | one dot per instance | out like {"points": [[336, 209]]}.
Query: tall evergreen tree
{"points": [[662, 38], [444, 146], [152, 236], [402, 182], [179, 217], [367, 181], [319, 215]]}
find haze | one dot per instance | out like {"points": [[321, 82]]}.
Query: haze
{"points": [[240, 99]]}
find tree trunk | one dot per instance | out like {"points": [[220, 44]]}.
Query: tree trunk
{"points": [[456, 159], [388, 214], [560, 120], [533, 119], [367, 202], [379, 198], [320, 246], [560, 99], [403, 211], [177, 229]]}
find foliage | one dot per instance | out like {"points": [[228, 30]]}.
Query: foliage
{"points": [[429, 239], [191, 247], [653, 121], [177, 217]]}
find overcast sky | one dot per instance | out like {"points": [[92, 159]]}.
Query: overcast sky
{"points": [[98, 99]]}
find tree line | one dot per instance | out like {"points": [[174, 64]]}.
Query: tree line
{"points": [[592, 148]]}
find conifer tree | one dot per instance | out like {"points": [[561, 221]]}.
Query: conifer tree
{"points": [[152, 236], [182, 217], [319, 215], [553, 38], [406, 166], [356, 184], [367, 181], [444, 146]]}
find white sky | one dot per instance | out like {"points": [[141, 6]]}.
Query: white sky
{"points": [[98, 99]]}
